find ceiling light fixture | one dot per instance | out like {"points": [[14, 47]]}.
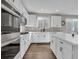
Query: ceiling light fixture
{"points": [[57, 10]]}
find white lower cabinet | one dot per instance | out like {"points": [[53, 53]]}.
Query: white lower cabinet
{"points": [[24, 44], [67, 50], [58, 50], [53, 45], [39, 37], [75, 52], [63, 49]]}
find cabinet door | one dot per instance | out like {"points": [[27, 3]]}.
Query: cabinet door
{"points": [[43, 37], [64, 50], [43, 21], [52, 21], [67, 50], [54, 45], [59, 49], [75, 52], [36, 38], [32, 21], [59, 21], [59, 52], [22, 46], [55, 21]]}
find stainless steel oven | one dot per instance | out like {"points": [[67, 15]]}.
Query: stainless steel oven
{"points": [[9, 23]]}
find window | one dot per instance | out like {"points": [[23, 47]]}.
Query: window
{"points": [[72, 25]]}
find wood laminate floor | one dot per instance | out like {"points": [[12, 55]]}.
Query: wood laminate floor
{"points": [[39, 51]]}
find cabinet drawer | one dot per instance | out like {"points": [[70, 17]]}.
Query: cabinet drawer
{"points": [[60, 42]]}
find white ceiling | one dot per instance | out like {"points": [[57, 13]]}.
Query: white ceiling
{"points": [[69, 7]]}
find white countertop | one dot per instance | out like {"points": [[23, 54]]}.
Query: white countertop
{"points": [[73, 40], [67, 37]]}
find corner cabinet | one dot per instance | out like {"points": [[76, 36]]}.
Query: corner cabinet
{"points": [[63, 49], [56, 21]]}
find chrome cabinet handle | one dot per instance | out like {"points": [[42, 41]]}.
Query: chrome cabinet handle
{"points": [[61, 42]]}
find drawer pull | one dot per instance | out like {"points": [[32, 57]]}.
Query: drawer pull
{"points": [[61, 42]]}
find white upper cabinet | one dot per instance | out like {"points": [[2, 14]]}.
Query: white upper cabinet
{"points": [[43, 21], [55, 21], [32, 21]]}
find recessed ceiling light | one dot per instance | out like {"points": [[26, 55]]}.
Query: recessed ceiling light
{"points": [[57, 10], [40, 18]]}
